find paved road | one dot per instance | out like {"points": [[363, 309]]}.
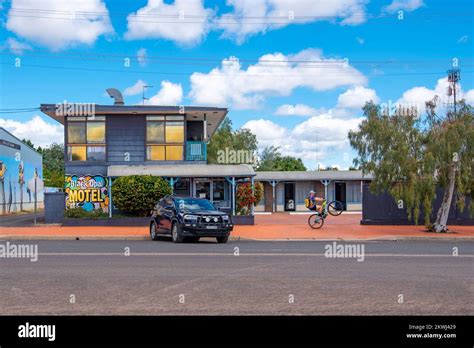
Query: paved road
{"points": [[261, 280], [19, 220]]}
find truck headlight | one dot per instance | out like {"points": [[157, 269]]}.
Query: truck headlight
{"points": [[190, 218], [225, 218]]}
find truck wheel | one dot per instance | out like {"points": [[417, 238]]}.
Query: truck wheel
{"points": [[153, 231], [176, 234], [222, 239]]}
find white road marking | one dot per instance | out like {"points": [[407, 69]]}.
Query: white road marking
{"points": [[246, 254]]}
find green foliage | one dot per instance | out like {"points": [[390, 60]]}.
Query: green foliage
{"points": [[245, 198], [272, 160], [410, 156], [29, 143], [80, 213], [138, 194], [226, 137], [259, 192], [53, 163]]}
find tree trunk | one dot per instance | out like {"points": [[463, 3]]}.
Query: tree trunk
{"points": [[443, 211]]}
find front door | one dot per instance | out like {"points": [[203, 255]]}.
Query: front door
{"points": [[290, 204], [340, 193], [203, 189]]}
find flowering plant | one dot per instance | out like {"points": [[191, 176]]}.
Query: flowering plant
{"points": [[245, 197]]}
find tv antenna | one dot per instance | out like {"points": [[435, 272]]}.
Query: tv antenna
{"points": [[144, 87]]}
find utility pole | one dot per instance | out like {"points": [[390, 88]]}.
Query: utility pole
{"points": [[144, 87], [36, 193], [454, 75]]}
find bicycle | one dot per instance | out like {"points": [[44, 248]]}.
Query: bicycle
{"points": [[316, 220], [335, 208]]}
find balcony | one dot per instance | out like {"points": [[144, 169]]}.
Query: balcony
{"points": [[196, 151]]}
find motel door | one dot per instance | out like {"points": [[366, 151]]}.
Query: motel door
{"points": [[203, 189], [290, 204], [340, 192]]}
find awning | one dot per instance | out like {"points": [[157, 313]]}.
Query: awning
{"points": [[183, 170], [313, 175]]}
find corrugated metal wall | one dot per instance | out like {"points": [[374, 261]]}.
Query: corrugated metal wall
{"points": [[383, 210]]}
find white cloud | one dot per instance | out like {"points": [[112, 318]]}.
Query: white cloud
{"points": [[313, 140], [169, 94], [356, 97], [403, 5], [469, 96], [142, 57], [16, 46], [418, 96], [158, 20], [273, 75], [137, 88], [40, 132], [296, 110], [82, 22], [250, 17]]}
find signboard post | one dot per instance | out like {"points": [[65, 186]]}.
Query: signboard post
{"points": [[35, 185]]}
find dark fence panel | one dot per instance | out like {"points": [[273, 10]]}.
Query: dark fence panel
{"points": [[54, 204], [382, 209]]}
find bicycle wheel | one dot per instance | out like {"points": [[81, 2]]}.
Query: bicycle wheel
{"points": [[315, 221], [335, 208]]}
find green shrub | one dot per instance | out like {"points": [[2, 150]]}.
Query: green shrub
{"points": [[138, 194], [81, 213]]}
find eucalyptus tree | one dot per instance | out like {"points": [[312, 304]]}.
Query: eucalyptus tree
{"points": [[410, 155]]}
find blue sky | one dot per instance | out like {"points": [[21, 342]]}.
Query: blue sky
{"points": [[299, 96]]}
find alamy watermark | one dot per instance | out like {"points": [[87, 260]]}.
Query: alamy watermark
{"points": [[345, 251], [19, 251], [231, 156], [402, 109], [75, 109], [28, 330]]}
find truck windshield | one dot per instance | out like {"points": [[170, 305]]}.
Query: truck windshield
{"points": [[194, 204]]}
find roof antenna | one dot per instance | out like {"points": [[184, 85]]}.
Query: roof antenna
{"points": [[116, 94]]}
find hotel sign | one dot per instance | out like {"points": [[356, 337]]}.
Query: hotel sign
{"points": [[89, 192]]}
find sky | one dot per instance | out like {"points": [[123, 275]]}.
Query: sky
{"points": [[296, 73]]}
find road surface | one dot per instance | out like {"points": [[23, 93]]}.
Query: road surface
{"points": [[271, 278]]}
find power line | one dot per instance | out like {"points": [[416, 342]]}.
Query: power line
{"points": [[185, 14], [197, 60], [233, 22], [19, 111], [219, 75], [323, 64]]}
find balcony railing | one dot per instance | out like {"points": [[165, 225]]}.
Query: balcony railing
{"points": [[196, 151]]}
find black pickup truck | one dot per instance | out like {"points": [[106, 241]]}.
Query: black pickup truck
{"points": [[189, 218]]}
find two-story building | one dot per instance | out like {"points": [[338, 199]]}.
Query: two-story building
{"points": [[103, 142]]}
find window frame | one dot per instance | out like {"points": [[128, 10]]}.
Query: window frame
{"points": [[86, 120], [165, 119]]}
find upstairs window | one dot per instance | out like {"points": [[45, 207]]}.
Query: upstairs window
{"points": [[165, 138], [86, 138]]}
